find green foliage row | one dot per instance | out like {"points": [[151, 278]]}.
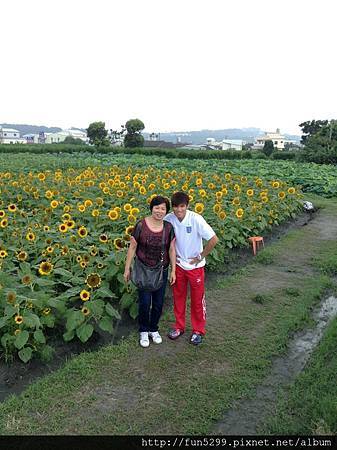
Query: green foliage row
{"points": [[156, 151]]}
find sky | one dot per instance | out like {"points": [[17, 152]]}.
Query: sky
{"points": [[177, 65]]}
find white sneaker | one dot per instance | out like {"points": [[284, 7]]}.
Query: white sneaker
{"points": [[155, 337], [144, 339]]}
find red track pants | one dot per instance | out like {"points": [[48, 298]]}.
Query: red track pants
{"points": [[195, 278]]}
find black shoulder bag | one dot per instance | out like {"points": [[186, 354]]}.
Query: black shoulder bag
{"points": [[147, 278]]}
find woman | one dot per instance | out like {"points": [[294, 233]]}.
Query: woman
{"points": [[146, 243]]}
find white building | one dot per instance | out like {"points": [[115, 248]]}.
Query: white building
{"points": [[225, 144], [10, 136], [276, 137], [31, 138], [232, 144], [59, 136]]}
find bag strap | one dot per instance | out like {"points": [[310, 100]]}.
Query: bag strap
{"points": [[163, 244], [138, 229]]}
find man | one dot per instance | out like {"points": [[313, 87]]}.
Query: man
{"points": [[190, 229]]}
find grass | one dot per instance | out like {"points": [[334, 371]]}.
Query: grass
{"points": [[310, 404], [183, 388]]}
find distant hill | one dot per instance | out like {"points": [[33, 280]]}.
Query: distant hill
{"points": [[199, 137], [30, 129], [188, 137]]}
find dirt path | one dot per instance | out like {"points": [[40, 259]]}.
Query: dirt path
{"points": [[175, 387]]}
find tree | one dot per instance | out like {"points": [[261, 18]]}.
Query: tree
{"points": [[72, 141], [310, 128], [268, 148], [133, 137], [97, 134], [321, 143]]}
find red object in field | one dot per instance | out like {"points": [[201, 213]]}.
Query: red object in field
{"points": [[256, 242]]}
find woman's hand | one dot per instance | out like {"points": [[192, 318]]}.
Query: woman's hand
{"points": [[172, 278], [127, 275]]}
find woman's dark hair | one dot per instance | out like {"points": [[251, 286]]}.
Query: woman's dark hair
{"points": [[180, 198], [158, 200]]}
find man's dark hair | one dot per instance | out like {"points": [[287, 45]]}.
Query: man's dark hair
{"points": [[158, 200], [180, 198]]}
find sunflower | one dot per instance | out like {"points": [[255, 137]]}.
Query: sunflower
{"points": [[250, 192], [84, 295], [88, 203], [100, 265], [113, 214], [85, 311], [265, 199], [199, 208], [81, 208], [41, 176], [26, 279], [50, 249], [222, 215], [132, 219], [30, 236], [281, 195], [216, 208], [66, 217], [46, 311], [11, 297], [120, 194], [95, 213], [99, 201], [129, 230], [65, 250], [219, 195], [93, 251], [103, 238], [48, 194], [3, 254], [142, 190], [17, 331], [135, 211], [236, 201], [93, 280], [46, 228], [66, 208], [78, 258], [45, 268], [82, 232], [275, 184], [86, 258], [22, 255], [127, 207], [239, 213], [4, 223], [2, 213], [291, 190], [70, 224], [119, 244], [18, 319], [83, 264], [63, 228], [11, 207], [54, 204]]}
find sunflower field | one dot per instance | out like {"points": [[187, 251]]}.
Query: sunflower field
{"points": [[64, 233]]}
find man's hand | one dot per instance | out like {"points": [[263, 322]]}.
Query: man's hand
{"points": [[195, 260]]}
